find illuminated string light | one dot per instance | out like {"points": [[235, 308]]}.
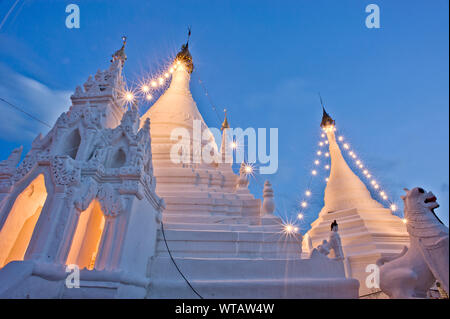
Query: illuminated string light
{"points": [[148, 97], [314, 172], [327, 154], [145, 88], [366, 173], [316, 162], [288, 229], [320, 143], [233, 145], [405, 221], [129, 96], [308, 193], [327, 166], [248, 169], [319, 153], [300, 216], [304, 204]]}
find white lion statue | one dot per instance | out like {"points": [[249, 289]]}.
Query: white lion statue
{"points": [[414, 271]]}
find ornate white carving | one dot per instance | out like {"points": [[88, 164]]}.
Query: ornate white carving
{"points": [[333, 243], [112, 205], [413, 272]]}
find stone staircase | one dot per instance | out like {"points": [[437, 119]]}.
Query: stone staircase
{"points": [[222, 245]]}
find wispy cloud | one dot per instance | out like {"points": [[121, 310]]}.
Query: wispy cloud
{"points": [[33, 97]]}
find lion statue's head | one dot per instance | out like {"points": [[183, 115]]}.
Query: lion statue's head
{"points": [[419, 209], [418, 199]]}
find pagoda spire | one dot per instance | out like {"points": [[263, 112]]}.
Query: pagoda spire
{"points": [[225, 124], [185, 56], [226, 150], [327, 120], [120, 54], [344, 189]]}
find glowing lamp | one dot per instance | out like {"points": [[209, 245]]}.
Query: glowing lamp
{"points": [[288, 228], [129, 96]]}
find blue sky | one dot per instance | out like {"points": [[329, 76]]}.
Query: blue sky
{"points": [[264, 61]]}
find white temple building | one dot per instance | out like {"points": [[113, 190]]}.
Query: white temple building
{"points": [[368, 231], [101, 192]]}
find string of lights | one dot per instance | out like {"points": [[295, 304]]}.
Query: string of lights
{"points": [[372, 181], [148, 86]]}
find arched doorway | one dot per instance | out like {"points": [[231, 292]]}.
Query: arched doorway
{"points": [[18, 228], [87, 237]]}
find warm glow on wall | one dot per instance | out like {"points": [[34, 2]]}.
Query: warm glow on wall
{"points": [[18, 228], [87, 237]]}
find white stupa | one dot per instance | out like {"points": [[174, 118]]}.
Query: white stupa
{"points": [[368, 230], [220, 236]]}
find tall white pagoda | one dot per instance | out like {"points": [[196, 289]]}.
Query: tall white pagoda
{"points": [[367, 229], [219, 235]]}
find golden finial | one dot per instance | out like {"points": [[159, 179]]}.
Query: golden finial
{"points": [[185, 56], [120, 54], [225, 121]]}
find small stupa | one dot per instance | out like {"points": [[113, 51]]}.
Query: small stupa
{"points": [[368, 230]]}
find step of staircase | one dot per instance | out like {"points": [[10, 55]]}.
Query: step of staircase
{"points": [[256, 278], [220, 243]]}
